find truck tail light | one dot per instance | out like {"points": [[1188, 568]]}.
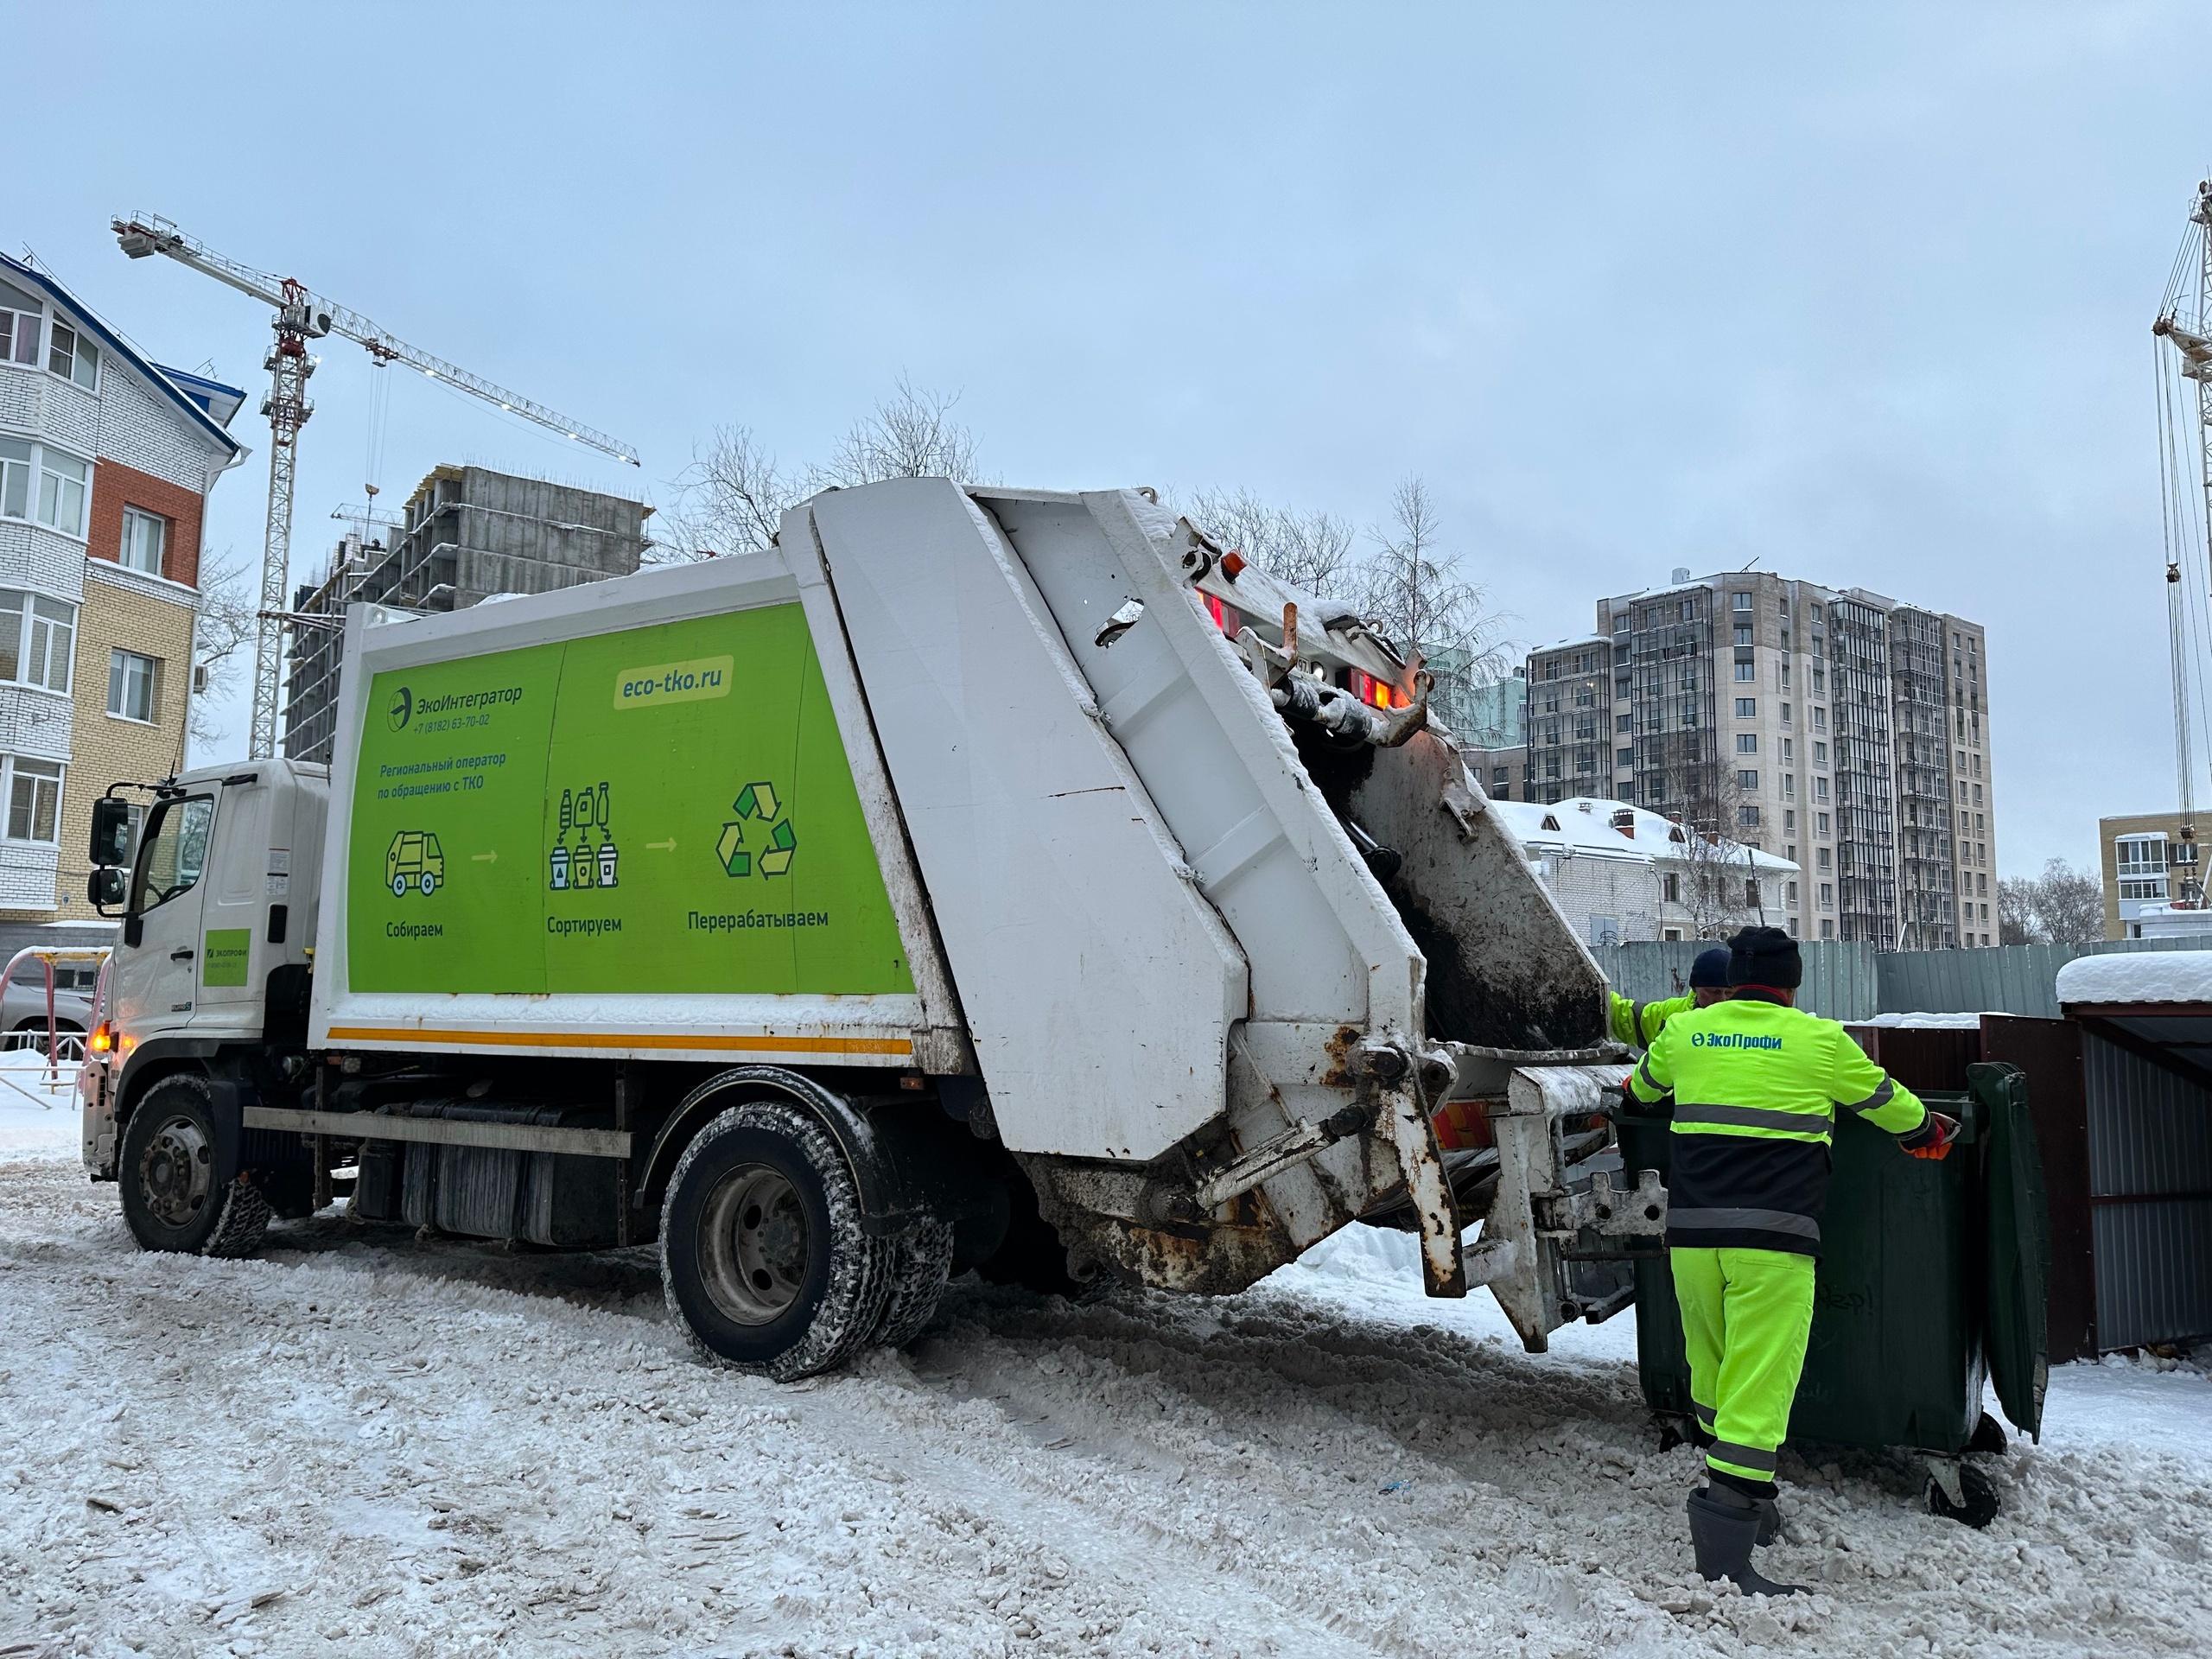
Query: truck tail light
{"points": [[102, 1041], [1378, 694]]}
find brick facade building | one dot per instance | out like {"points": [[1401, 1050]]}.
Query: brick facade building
{"points": [[106, 462]]}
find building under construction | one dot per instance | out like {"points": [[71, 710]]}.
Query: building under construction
{"points": [[466, 533]]}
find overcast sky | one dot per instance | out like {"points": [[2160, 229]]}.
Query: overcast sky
{"points": [[1864, 295]]}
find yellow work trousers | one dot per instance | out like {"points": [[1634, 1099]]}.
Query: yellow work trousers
{"points": [[1745, 1314]]}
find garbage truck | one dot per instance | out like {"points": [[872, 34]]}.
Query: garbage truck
{"points": [[973, 878]]}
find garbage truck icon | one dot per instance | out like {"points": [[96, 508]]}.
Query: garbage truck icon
{"points": [[413, 859]]}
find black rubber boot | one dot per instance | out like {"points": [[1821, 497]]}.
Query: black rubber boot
{"points": [[1721, 1535], [1769, 1513]]}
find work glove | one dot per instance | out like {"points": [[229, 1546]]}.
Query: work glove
{"points": [[1932, 1139]]}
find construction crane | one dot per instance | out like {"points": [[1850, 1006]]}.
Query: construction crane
{"points": [[2185, 478], [302, 315]]}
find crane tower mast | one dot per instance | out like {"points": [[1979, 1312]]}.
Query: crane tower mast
{"points": [[300, 316]]}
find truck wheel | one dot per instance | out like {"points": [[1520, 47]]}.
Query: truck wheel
{"points": [[762, 1253], [399, 886], [428, 882], [921, 1263], [170, 1201]]}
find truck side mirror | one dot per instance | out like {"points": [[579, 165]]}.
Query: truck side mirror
{"points": [[110, 832], [106, 888]]}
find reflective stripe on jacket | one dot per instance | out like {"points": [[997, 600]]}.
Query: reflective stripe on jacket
{"points": [[1638, 1024], [1757, 1086]]}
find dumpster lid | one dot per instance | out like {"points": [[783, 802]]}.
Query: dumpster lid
{"points": [[2018, 1254]]}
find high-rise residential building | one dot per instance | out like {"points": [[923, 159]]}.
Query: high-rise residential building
{"points": [[1843, 730]]}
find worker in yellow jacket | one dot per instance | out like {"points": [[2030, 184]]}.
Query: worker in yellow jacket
{"points": [[1636, 1024], [1756, 1084]]}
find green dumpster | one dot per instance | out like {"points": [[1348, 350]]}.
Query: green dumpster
{"points": [[1931, 1284]]}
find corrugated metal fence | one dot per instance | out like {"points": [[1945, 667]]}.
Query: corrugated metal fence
{"points": [[2149, 1135], [1856, 982]]}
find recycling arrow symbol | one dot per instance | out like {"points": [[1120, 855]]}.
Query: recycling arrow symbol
{"points": [[756, 805]]}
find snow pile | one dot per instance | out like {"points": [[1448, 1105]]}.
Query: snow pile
{"points": [[38, 1108], [362, 1446], [2137, 977]]}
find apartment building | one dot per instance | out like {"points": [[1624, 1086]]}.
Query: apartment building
{"points": [[2146, 863], [1842, 730], [106, 459]]}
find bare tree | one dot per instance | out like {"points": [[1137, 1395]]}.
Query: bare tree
{"points": [[2064, 906], [2017, 921], [733, 496], [1720, 886], [731, 500], [1311, 550], [1414, 592], [227, 622], [911, 433]]}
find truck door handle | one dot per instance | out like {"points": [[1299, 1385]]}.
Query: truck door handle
{"points": [[180, 955]]}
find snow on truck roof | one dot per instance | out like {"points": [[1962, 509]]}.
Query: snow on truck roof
{"points": [[2176, 976]]}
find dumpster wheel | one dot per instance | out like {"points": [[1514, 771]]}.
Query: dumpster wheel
{"points": [[1976, 1503]]}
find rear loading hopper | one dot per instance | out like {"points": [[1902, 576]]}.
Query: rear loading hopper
{"points": [[1227, 915]]}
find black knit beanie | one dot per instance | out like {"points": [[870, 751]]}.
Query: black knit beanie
{"points": [[1765, 955]]}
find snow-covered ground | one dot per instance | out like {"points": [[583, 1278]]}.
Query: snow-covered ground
{"points": [[360, 1444]]}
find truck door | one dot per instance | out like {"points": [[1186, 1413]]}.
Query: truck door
{"points": [[234, 950], [155, 978]]}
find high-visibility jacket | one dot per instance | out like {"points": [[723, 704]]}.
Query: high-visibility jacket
{"points": [[1637, 1023], [1757, 1086]]}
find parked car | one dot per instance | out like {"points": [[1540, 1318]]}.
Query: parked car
{"points": [[22, 1003]]}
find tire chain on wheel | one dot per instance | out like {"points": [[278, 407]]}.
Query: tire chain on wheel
{"points": [[921, 1263], [852, 1310], [244, 1219]]}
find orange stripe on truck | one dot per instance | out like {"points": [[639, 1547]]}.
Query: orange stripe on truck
{"points": [[625, 1039]]}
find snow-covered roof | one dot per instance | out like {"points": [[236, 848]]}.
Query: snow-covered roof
{"points": [[2137, 977], [1591, 826], [1572, 641]]}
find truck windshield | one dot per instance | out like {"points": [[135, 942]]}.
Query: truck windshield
{"points": [[176, 852]]}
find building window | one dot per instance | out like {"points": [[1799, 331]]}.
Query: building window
{"points": [[1671, 885], [18, 326], [1747, 742], [1671, 933], [73, 357], [1789, 894], [1822, 857], [1751, 894], [1689, 610], [38, 637], [1743, 633], [2141, 855], [1827, 895], [36, 482], [1747, 780], [34, 798], [1747, 817], [130, 684], [1747, 707], [1789, 750], [143, 538], [1822, 826], [1982, 884], [1624, 757], [1828, 929], [1820, 789], [1747, 671], [1740, 602], [1790, 820], [1620, 623]]}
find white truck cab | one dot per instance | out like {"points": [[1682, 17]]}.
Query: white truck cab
{"points": [[217, 926]]}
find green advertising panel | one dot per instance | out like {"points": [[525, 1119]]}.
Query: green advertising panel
{"points": [[663, 810]]}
